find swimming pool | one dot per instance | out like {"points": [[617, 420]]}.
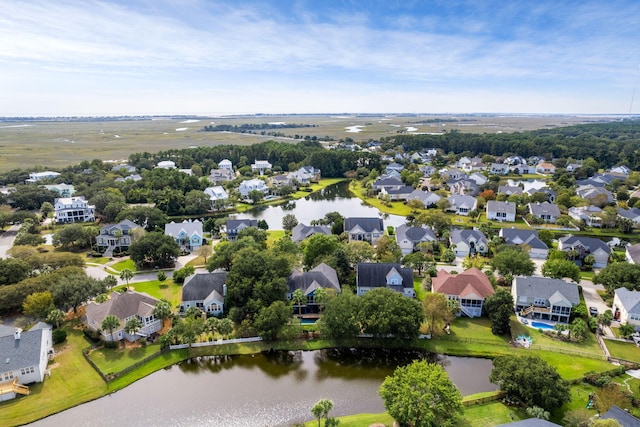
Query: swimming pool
{"points": [[541, 325]]}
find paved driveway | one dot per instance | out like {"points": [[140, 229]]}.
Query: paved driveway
{"points": [[7, 238]]}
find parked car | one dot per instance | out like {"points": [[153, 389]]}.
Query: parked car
{"points": [[593, 311]]}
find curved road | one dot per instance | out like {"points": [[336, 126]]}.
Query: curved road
{"points": [[6, 240]]}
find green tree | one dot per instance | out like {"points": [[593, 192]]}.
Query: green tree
{"points": [[71, 235], [225, 326], [126, 275], [110, 323], [579, 330], [384, 313], [75, 289], [538, 412], [513, 261], [270, 320], [147, 217], [132, 326], [162, 276], [626, 329], [317, 248], [196, 202], [436, 311], [154, 250], [13, 270], [162, 310], [422, 395], [55, 316], [339, 320], [531, 380], [110, 281], [46, 208], [256, 196], [358, 251], [387, 250], [321, 409], [617, 275], [299, 298], [38, 305], [499, 308], [288, 222], [559, 269]]}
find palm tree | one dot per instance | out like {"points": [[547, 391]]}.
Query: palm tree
{"points": [[317, 411], [162, 310], [126, 275], [225, 326], [110, 323], [55, 316], [320, 297], [133, 325], [321, 409], [298, 297]]}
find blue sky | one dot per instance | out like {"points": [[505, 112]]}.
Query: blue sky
{"points": [[215, 57]]}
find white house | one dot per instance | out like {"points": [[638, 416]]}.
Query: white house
{"points": [[216, 194], [225, 164], [384, 275], [409, 237], [261, 166], [501, 211], [188, 234], [462, 204], [544, 298], [626, 306], [248, 185], [590, 215], [124, 306], [73, 209], [527, 238], [305, 175], [25, 355], [633, 254], [468, 242], [39, 176], [166, 164], [205, 291]]}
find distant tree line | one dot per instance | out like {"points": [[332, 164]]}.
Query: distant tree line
{"points": [[610, 143], [254, 126]]}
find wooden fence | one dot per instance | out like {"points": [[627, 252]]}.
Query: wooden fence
{"points": [[480, 400]]}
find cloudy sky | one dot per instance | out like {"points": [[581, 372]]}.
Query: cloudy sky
{"points": [[87, 57]]}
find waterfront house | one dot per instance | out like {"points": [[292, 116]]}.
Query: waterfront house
{"points": [[545, 168], [234, 226], [364, 229], [387, 182], [467, 242], [590, 216], [462, 204], [545, 211], [499, 169], [322, 276], [579, 247], [509, 190], [632, 214], [301, 231], [544, 298], [372, 275], [595, 195], [249, 185], [118, 235], [305, 175], [261, 166], [428, 198], [217, 195], [188, 234], [400, 193], [205, 291], [73, 209], [469, 289], [124, 306]]}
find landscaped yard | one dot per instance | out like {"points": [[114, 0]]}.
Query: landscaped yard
{"points": [[111, 360], [125, 263], [161, 290], [97, 260], [273, 236]]}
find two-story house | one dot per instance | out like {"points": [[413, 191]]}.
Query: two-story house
{"points": [[462, 204], [73, 209], [626, 306], [501, 211], [322, 276], [544, 298], [579, 247], [469, 289], [249, 185], [528, 238], [302, 231], [384, 275], [468, 242], [364, 229], [188, 234], [234, 226], [261, 166], [206, 291], [545, 211], [409, 237], [118, 235]]}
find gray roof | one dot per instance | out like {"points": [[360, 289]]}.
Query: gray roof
{"points": [[630, 300], [122, 305], [374, 274], [634, 253], [21, 353], [199, 286], [190, 227], [414, 234], [367, 224], [301, 231], [623, 417], [5, 330], [386, 180], [405, 189], [458, 235], [632, 213], [423, 196], [233, 224], [124, 225], [495, 206], [549, 289], [509, 190], [321, 276], [515, 236], [462, 201], [544, 208], [590, 243]]}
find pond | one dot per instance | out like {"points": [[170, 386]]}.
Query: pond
{"points": [[263, 390], [334, 198]]}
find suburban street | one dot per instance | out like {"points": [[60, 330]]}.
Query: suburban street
{"points": [[6, 240]]}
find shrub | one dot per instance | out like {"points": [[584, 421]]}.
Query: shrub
{"points": [[110, 344], [92, 336], [59, 335]]}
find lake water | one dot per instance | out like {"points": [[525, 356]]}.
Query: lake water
{"points": [[334, 198], [264, 390]]}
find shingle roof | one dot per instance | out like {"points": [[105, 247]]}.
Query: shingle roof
{"points": [[624, 418], [122, 306], [630, 300], [190, 227], [374, 275], [233, 224], [21, 353], [321, 276], [495, 206], [301, 231], [458, 235], [531, 422], [122, 226], [544, 287], [367, 224], [509, 190], [632, 213], [466, 284], [634, 253], [199, 286], [515, 236], [462, 201], [414, 234], [590, 243], [544, 208], [405, 189]]}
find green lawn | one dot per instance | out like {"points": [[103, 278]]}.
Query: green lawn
{"points": [[166, 290], [125, 263], [324, 182], [96, 260], [623, 350], [71, 383], [110, 360], [273, 236], [417, 286]]}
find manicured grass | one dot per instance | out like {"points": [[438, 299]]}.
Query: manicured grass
{"points": [[539, 338], [111, 360], [587, 275], [96, 260], [273, 236], [125, 263], [623, 350], [166, 290], [417, 286], [491, 414], [71, 383], [358, 420], [324, 182]]}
